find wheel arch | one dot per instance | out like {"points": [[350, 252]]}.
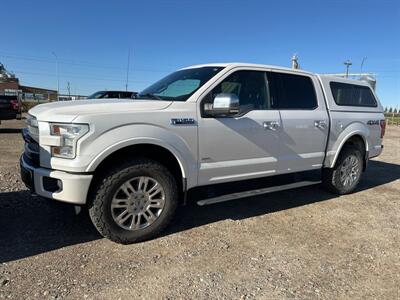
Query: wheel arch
{"points": [[132, 144], [357, 139], [151, 149]]}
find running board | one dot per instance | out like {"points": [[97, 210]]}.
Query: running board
{"points": [[256, 192]]}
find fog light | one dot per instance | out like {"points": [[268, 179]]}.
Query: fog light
{"points": [[52, 185]]}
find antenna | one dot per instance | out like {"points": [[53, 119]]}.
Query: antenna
{"points": [[58, 74], [362, 63], [127, 69]]}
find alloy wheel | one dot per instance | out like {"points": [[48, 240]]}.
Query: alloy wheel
{"points": [[138, 203], [350, 171]]}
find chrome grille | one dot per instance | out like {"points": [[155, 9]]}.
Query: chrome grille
{"points": [[31, 137], [33, 127]]}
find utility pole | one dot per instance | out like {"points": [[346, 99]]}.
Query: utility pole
{"points": [[348, 63], [69, 89], [127, 70], [58, 74]]}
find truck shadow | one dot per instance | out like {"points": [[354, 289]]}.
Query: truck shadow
{"points": [[378, 173], [31, 225]]}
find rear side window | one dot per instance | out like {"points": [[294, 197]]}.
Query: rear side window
{"points": [[292, 91], [352, 95]]}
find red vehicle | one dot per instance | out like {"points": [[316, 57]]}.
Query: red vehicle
{"points": [[10, 108]]}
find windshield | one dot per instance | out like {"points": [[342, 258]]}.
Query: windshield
{"points": [[97, 95], [180, 85]]}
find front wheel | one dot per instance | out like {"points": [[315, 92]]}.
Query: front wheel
{"points": [[134, 202], [346, 174]]}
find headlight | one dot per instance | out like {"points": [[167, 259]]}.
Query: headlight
{"points": [[69, 134]]}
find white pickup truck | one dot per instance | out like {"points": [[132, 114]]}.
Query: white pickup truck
{"points": [[208, 133]]}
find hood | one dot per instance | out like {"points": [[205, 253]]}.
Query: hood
{"points": [[67, 111]]}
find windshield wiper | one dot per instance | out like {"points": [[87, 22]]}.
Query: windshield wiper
{"points": [[150, 95]]}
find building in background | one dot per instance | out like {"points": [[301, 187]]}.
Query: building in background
{"points": [[10, 86]]}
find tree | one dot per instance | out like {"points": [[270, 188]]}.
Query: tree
{"points": [[395, 111], [386, 109], [390, 109]]}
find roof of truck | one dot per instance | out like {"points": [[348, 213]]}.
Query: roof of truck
{"points": [[343, 79], [300, 71], [239, 64]]}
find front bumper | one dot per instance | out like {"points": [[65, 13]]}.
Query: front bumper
{"points": [[71, 188]]}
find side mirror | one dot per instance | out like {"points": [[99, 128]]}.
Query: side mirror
{"points": [[224, 104]]}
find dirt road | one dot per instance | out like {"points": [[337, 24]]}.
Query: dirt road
{"points": [[304, 243]]}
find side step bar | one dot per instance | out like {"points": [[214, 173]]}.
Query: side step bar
{"points": [[256, 192]]}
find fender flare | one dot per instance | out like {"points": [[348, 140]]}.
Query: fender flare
{"points": [[345, 139], [138, 141]]}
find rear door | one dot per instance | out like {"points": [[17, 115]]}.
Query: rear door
{"points": [[305, 122]]}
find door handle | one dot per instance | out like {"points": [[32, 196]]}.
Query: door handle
{"points": [[322, 124], [271, 125]]}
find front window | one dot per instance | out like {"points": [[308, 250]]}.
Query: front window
{"points": [[180, 85], [249, 86]]}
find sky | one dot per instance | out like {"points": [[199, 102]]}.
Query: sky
{"points": [[91, 40]]}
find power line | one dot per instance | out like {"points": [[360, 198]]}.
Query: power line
{"points": [[79, 76], [86, 64], [75, 63]]}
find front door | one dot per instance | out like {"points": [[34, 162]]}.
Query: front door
{"points": [[243, 146]]}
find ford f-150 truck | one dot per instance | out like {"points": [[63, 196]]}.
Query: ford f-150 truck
{"points": [[209, 133]]}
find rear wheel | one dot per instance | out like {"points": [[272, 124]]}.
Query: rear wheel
{"points": [[345, 176], [134, 201]]}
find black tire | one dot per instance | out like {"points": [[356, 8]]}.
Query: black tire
{"points": [[109, 184], [331, 178]]}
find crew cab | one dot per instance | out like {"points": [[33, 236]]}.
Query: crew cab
{"points": [[10, 108], [206, 133]]}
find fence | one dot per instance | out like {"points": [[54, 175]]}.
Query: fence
{"points": [[392, 119], [64, 97]]}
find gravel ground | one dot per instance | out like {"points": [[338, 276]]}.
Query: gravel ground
{"points": [[304, 243]]}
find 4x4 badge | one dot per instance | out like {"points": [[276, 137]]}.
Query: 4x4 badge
{"points": [[373, 122]]}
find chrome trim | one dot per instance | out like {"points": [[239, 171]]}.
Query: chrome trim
{"points": [[183, 121]]}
